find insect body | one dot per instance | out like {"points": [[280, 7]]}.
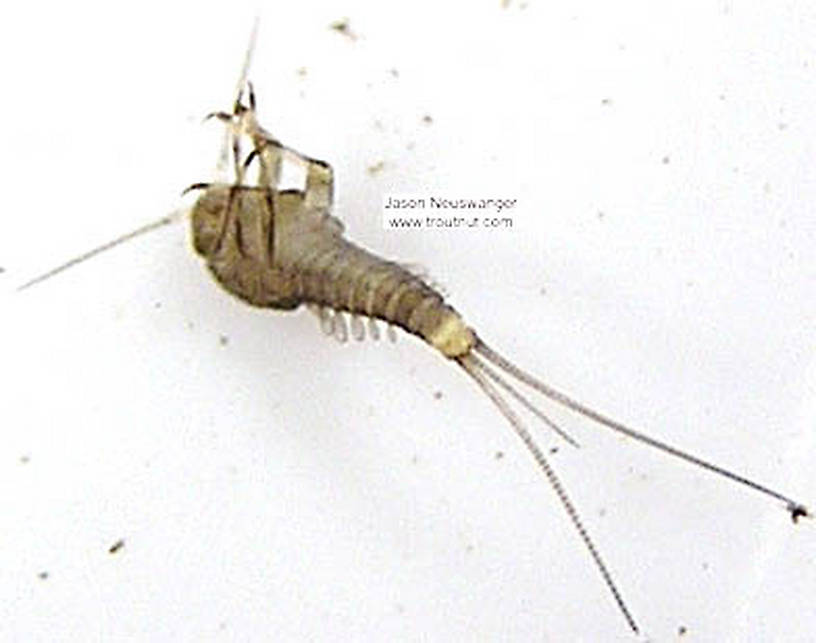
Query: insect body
{"points": [[282, 248]]}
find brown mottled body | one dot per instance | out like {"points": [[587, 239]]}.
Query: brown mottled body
{"points": [[282, 248]]}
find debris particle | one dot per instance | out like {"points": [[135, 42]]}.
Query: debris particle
{"points": [[665, 160], [427, 119], [681, 631], [43, 575], [606, 101], [223, 340], [376, 168], [116, 546], [341, 26], [25, 459], [394, 72], [301, 71], [553, 450], [157, 305], [437, 395], [499, 455], [601, 214]]}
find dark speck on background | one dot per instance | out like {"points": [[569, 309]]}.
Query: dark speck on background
{"points": [[43, 575], [115, 547], [341, 26], [375, 168]]}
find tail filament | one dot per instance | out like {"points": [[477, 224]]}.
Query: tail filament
{"points": [[477, 365]]}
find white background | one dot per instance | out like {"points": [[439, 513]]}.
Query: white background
{"points": [[284, 487]]}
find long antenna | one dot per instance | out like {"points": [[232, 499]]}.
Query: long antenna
{"points": [[165, 220], [176, 214]]}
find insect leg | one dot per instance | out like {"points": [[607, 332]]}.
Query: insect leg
{"points": [[239, 85], [319, 184]]}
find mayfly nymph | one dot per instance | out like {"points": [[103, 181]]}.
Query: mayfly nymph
{"points": [[282, 248]]}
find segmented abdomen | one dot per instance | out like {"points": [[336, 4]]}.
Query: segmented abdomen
{"points": [[340, 275]]}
